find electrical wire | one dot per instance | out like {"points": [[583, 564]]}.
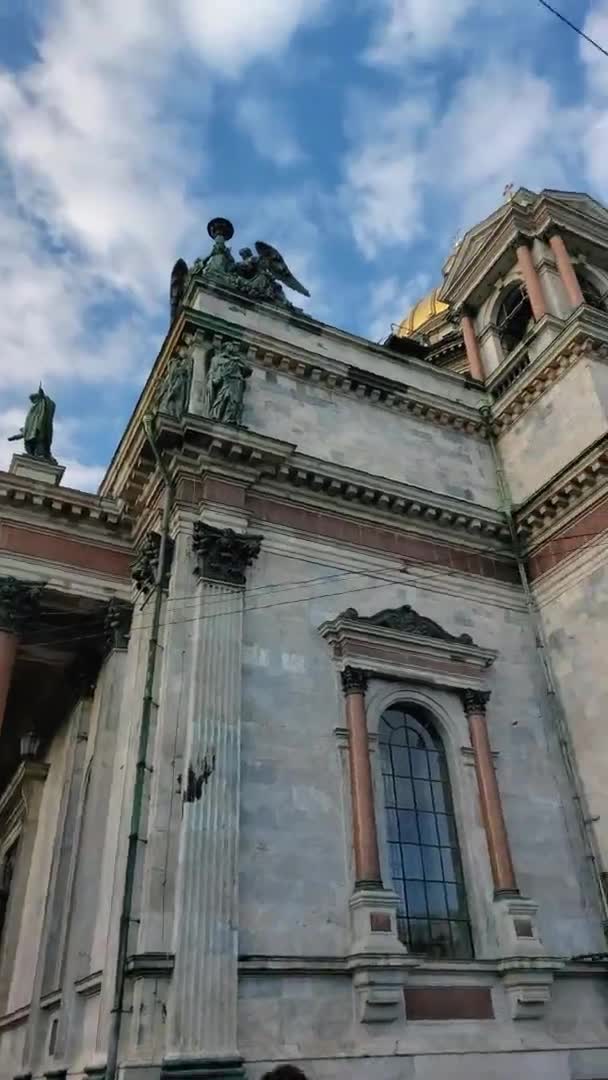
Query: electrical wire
{"points": [[74, 639], [573, 26]]}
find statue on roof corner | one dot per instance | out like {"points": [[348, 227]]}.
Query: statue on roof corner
{"points": [[226, 382], [37, 430], [258, 277]]}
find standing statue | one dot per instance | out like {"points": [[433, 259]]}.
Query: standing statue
{"points": [[175, 393], [37, 431], [219, 263], [226, 379]]}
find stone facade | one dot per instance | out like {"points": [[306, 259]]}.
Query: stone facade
{"points": [[390, 565]]}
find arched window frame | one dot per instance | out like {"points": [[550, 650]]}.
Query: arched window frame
{"points": [[452, 728]]}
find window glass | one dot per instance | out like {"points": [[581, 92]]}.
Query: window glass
{"points": [[424, 855]]}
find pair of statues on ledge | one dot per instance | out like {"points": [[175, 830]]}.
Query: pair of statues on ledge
{"points": [[258, 277], [225, 386]]}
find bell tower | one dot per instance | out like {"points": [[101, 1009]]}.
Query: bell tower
{"points": [[530, 285]]}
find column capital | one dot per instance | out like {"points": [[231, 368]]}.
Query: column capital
{"points": [[523, 240], [475, 701], [550, 231], [145, 566], [19, 602], [354, 680], [117, 624], [223, 554]]}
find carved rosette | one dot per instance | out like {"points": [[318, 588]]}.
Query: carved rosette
{"points": [[145, 567], [19, 603], [475, 701], [117, 624], [354, 681], [222, 554]]}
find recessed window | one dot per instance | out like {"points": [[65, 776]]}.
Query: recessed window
{"points": [[515, 317], [591, 294], [426, 869]]}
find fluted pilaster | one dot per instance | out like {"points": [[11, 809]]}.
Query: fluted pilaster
{"points": [[203, 1000]]}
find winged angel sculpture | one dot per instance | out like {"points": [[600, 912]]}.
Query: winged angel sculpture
{"points": [[260, 276]]}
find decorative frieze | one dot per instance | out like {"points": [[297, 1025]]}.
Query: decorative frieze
{"points": [[63, 504], [19, 603], [223, 554]]}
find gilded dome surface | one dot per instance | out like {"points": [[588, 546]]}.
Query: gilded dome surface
{"points": [[422, 313]]}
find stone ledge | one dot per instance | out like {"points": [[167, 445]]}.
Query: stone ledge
{"points": [[566, 495]]}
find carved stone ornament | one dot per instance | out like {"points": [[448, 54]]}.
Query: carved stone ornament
{"points": [[224, 554], [19, 603], [145, 567], [475, 700], [409, 621], [117, 624], [354, 681]]}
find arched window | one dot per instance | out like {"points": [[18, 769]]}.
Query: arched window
{"points": [[514, 318], [425, 863], [591, 293]]}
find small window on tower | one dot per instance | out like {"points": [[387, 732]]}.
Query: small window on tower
{"points": [[515, 318]]}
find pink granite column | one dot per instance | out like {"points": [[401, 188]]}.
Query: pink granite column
{"points": [[18, 603], [531, 280], [471, 346], [489, 794], [8, 652], [566, 269], [365, 836]]}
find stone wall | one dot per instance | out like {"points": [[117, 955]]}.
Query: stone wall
{"points": [[293, 827], [574, 607], [568, 418]]}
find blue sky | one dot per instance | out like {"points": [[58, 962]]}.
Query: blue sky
{"points": [[361, 137]]}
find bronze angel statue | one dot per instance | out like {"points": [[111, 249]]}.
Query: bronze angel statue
{"points": [[264, 272], [260, 276]]}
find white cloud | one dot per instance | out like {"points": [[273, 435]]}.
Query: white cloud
{"points": [[407, 28], [231, 34], [264, 122], [103, 136], [390, 300], [384, 173]]}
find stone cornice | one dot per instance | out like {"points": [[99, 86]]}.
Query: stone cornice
{"points": [[392, 653], [310, 366], [274, 467], [568, 495], [375, 389], [329, 482], [65, 505]]}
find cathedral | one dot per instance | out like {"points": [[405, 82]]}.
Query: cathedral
{"points": [[303, 757]]}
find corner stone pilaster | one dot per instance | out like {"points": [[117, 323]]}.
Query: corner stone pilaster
{"points": [[202, 1005]]}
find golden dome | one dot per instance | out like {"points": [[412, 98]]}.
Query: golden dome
{"points": [[422, 313]]}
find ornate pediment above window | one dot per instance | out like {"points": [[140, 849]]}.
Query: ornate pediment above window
{"points": [[399, 643]]}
